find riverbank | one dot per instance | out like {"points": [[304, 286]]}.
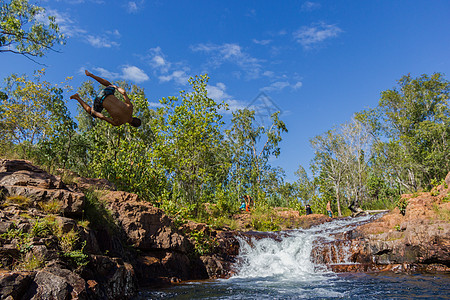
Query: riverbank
{"points": [[80, 238]]}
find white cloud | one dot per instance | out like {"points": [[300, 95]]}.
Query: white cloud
{"points": [[66, 25], [231, 53], [281, 85], [132, 7], [157, 60], [165, 70], [133, 73], [178, 76], [309, 6], [105, 73], [313, 35], [217, 92], [234, 105], [262, 42], [297, 85], [100, 42], [70, 29]]}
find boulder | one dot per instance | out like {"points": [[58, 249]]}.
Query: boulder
{"points": [[55, 282], [21, 178], [14, 285], [146, 226]]}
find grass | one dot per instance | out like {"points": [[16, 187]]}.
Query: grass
{"points": [[442, 213], [221, 222], [68, 241], [21, 201], [97, 214], [51, 207], [30, 263]]}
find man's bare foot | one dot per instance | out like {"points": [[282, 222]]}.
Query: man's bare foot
{"points": [[74, 96], [87, 73]]}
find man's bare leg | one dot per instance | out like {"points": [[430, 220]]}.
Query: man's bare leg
{"points": [[99, 79], [83, 104]]}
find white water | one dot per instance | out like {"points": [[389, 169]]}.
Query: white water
{"points": [[290, 258]]}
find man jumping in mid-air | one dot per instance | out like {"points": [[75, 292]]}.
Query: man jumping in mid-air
{"points": [[120, 112]]}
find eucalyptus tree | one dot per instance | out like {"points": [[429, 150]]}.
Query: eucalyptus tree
{"points": [[331, 161], [252, 146], [356, 153]]}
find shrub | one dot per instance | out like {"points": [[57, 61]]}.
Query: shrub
{"points": [[203, 243], [402, 203], [43, 228], [76, 258]]}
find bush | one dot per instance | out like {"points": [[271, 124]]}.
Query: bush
{"points": [[203, 243]]}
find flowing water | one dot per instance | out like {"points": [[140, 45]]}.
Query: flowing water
{"points": [[282, 269]]}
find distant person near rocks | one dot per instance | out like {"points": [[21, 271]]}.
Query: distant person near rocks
{"points": [[120, 112], [308, 209], [329, 211]]}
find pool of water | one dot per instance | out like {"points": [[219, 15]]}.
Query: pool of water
{"points": [[282, 269], [330, 286]]}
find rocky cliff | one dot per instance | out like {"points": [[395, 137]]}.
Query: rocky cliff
{"points": [[85, 240]]}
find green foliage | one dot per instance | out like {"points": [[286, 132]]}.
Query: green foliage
{"points": [[77, 258], [203, 243], [43, 228], [97, 214], [124, 154], [36, 120], [411, 124], [190, 145], [263, 219], [26, 30], [30, 263], [251, 147], [402, 203]]}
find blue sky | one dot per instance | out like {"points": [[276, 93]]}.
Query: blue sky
{"points": [[317, 61]]}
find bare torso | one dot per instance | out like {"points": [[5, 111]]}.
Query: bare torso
{"points": [[119, 111]]}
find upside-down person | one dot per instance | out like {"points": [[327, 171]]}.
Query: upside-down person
{"points": [[120, 112]]}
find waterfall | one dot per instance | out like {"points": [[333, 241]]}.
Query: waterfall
{"points": [[289, 255]]}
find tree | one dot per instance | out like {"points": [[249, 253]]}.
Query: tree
{"points": [[190, 144], [329, 160], [252, 146], [356, 154], [32, 111], [411, 126], [24, 30]]}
